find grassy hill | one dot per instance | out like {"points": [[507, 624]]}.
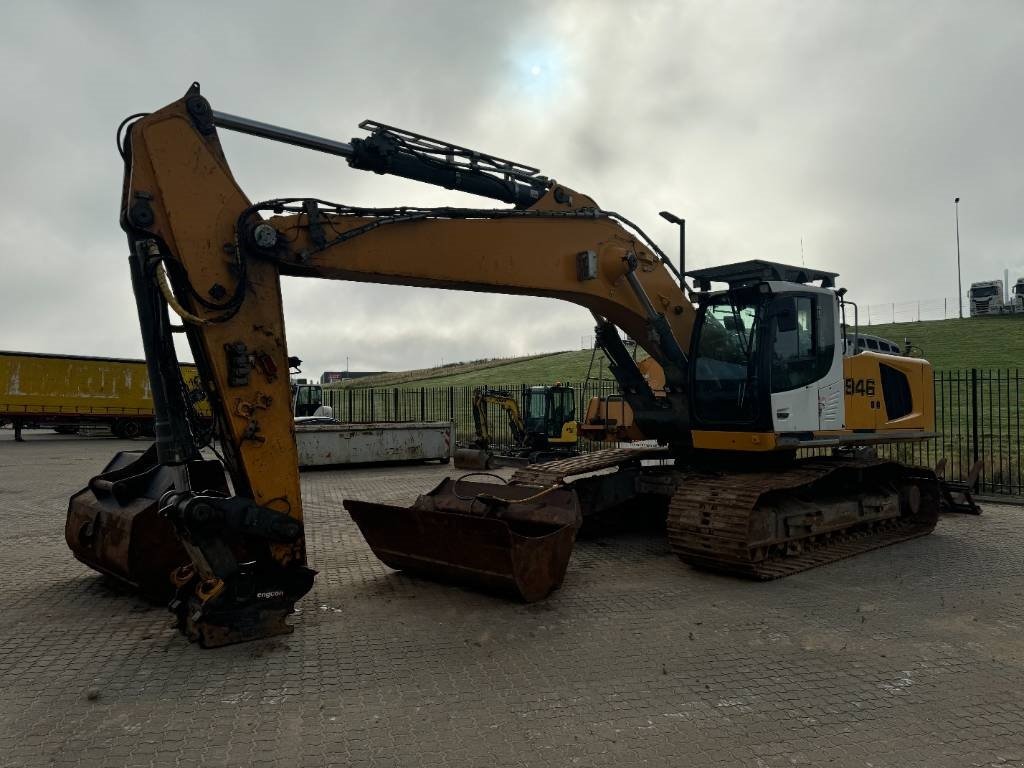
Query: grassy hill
{"points": [[535, 369], [974, 342], [977, 342]]}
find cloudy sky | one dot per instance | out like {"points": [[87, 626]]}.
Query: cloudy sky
{"points": [[850, 126]]}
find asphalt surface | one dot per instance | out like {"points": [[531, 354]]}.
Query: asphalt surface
{"points": [[907, 656]]}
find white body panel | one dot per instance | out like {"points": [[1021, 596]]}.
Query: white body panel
{"points": [[820, 404], [327, 444]]}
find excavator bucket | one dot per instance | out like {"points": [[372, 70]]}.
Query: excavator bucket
{"points": [[511, 539], [473, 458], [114, 526]]}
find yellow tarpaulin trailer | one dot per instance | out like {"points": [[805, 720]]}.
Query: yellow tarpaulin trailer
{"points": [[66, 391]]}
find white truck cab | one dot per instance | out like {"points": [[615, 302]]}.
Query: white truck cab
{"points": [[1017, 295], [986, 298]]}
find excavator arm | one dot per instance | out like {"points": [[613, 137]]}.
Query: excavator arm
{"points": [[200, 247], [508, 403]]}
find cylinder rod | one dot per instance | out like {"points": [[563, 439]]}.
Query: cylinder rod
{"points": [[285, 135]]}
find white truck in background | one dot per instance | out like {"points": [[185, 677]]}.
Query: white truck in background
{"points": [[986, 298], [1017, 295]]}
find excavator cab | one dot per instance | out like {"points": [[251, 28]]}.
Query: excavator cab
{"points": [[307, 399], [765, 351], [551, 412]]}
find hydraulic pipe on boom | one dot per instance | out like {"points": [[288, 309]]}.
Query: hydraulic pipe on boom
{"points": [[396, 152]]}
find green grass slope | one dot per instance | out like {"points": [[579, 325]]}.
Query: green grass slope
{"points": [[974, 342], [538, 369]]}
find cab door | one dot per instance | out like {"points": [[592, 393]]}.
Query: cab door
{"points": [[806, 371]]}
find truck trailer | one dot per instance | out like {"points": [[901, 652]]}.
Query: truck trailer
{"points": [[68, 392]]}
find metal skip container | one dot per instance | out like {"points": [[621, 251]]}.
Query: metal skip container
{"points": [[512, 539], [323, 442]]}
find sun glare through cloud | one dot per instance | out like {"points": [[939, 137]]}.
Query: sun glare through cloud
{"points": [[537, 71]]}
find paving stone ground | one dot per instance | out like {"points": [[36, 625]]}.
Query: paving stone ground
{"points": [[907, 656]]}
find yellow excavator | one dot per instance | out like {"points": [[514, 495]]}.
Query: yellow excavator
{"points": [[751, 374], [543, 429]]}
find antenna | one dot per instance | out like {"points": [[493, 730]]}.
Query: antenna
{"points": [[802, 262]]}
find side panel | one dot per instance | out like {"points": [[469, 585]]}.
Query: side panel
{"points": [[570, 433], [888, 392], [324, 445], [41, 385]]}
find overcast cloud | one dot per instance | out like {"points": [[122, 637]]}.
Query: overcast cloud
{"points": [[850, 125]]}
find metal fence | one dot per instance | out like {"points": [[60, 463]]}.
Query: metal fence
{"points": [[452, 403], [978, 417], [911, 311]]}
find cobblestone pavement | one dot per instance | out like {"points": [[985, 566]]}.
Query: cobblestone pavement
{"points": [[907, 656]]}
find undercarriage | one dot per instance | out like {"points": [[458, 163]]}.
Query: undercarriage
{"points": [[759, 523]]}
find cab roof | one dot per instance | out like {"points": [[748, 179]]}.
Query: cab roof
{"points": [[757, 271]]}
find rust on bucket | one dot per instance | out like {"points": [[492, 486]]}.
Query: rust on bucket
{"points": [[511, 539]]}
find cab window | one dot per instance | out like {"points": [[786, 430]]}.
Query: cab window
{"points": [[725, 370], [803, 341], [308, 395], [568, 405]]}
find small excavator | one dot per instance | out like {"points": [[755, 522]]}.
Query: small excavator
{"points": [[751, 377], [543, 429]]}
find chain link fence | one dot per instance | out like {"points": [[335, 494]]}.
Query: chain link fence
{"points": [[911, 311]]}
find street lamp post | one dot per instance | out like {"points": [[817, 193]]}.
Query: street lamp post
{"points": [[959, 284]]}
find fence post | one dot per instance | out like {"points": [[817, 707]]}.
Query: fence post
{"points": [[423, 404], [974, 413]]}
